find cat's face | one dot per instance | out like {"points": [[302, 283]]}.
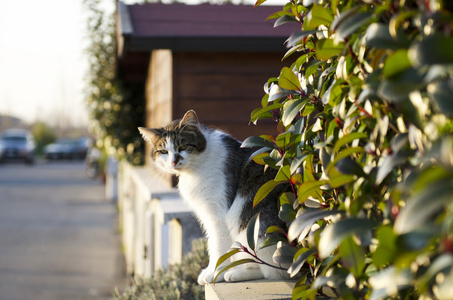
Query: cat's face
{"points": [[175, 147]]}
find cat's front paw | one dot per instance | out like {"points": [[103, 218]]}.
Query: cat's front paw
{"points": [[243, 274], [207, 276]]}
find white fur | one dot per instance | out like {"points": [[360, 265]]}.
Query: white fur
{"points": [[204, 190], [202, 185]]}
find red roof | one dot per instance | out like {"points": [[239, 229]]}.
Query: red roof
{"points": [[205, 27]]}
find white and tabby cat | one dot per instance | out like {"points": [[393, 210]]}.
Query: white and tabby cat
{"points": [[216, 184]]}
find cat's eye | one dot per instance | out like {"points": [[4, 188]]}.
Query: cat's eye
{"points": [[183, 147], [163, 151]]}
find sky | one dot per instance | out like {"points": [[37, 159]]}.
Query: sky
{"points": [[42, 61], [42, 66]]}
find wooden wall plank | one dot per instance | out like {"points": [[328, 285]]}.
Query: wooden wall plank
{"points": [[224, 88]]}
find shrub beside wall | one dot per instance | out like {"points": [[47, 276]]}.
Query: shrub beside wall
{"points": [[178, 281]]}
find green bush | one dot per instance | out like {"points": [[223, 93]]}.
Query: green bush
{"points": [[364, 118], [43, 135], [178, 281]]}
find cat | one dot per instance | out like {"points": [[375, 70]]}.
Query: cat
{"points": [[218, 185]]}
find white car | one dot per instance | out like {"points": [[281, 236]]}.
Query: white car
{"points": [[17, 144]]}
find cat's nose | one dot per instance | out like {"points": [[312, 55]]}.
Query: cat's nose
{"points": [[176, 159]]}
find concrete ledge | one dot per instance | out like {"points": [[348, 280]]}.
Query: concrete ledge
{"points": [[256, 289]]}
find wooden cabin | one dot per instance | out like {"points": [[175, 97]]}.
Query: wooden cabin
{"points": [[214, 59]]}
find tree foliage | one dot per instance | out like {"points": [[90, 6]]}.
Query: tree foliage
{"points": [[116, 109], [43, 135], [365, 139]]}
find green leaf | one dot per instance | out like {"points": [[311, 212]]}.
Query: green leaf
{"points": [[283, 20], [421, 207], [264, 190], [297, 36], [257, 154], [264, 112], [398, 87], [429, 176], [389, 165], [310, 188], [312, 67], [325, 155], [343, 17], [335, 233], [326, 48], [253, 230], [350, 25], [272, 229], [349, 166], [441, 264], [395, 26], [441, 92], [278, 14], [260, 158], [259, 2], [386, 249], [386, 283], [318, 15], [396, 63], [302, 225], [378, 36], [288, 80], [347, 152], [287, 213], [353, 256], [413, 241], [434, 49], [270, 241], [227, 255], [299, 259], [337, 179], [283, 175], [333, 93], [302, 290], [297, 161], [348, 139], [234, 264], [292, 109], [287, 198], [257, 141]]}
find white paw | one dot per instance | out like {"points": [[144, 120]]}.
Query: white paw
{"points": [[243, 274], [207, 276], [233, 275]]}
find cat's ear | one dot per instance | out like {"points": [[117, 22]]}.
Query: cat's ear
{"points": [[148, 134], [190, 118]]}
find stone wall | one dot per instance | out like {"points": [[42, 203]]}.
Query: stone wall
{"points": [[157, 226]]}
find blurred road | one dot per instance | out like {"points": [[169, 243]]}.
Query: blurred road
{"points": [[58, 234]]}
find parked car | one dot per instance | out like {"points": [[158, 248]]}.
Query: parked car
{"points": [[82, 145], [17, 144], [61, 149]]}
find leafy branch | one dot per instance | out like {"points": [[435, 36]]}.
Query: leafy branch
{"points": [[364, 138]]}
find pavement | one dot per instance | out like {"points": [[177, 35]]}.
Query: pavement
{"points": [[58, 235]]}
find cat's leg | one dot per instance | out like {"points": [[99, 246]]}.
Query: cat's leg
{"points": [[218, 244], [253, 271], [248, 271], [244, 273]]}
